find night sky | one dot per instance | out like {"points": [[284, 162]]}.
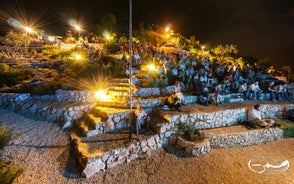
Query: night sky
{"points": [[263, 29]]}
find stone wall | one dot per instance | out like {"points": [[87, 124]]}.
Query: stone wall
{"points": [[74, 96], [221, 118], [246, 138], [112, 158], [11, 99], [45, 107], [207, 120]]}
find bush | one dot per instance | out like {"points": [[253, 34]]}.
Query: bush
{"points": [[15, 76], [189, 132], [5, 136], [112, 48], [8, 173], [46, 89], [4, 67]]}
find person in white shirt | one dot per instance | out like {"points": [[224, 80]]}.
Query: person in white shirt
{"points": [[254, 116], [255, 90]]}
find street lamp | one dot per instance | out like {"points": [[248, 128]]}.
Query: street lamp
{"points": [[28, 29], [78, 28]]}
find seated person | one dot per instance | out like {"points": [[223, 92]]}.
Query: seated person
{"points": [[173, 101], [177, 90], [255, 90], [282, 93], [141, 118], [254, 116], [273, 92], [243, 88], [215, 93]]}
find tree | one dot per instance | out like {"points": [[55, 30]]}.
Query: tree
{"points": [[224, 54], [15, 44], [286, 69]]}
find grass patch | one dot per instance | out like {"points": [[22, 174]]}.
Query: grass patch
{"points": [[287, 127]]}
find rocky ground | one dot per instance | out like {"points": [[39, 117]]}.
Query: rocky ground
{"points": [[44, 150]]}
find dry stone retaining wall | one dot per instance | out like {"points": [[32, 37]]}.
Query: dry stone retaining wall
{"points": [[45, 107], [113, 158], [74, 96]]}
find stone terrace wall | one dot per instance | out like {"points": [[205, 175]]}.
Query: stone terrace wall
{"points": [[219, 118], [74, 96], [247, 138], [46, 107]]}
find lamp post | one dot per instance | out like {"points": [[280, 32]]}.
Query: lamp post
{"points": [[130, 64]]}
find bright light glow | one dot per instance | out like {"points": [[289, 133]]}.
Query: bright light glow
{"points": [[78, 28], [167, 35], [152, 67], [51, 38], [102, 96], [28, 29], [167, 29], [78, 56], [107, 35]]}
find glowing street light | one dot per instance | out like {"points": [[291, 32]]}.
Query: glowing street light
{"points": [[28, 29], [78, 28], [152, 67]]}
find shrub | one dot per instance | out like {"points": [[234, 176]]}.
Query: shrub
{"points": [[4, 67], [189, 132], [8, 172], [46, 89], [112, 48], [15, 76], [5, 136]]}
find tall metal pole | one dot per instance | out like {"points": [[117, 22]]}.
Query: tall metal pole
{"points": [[130, 63]]}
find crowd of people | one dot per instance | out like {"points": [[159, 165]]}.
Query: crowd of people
{"points": [[205, 78]]}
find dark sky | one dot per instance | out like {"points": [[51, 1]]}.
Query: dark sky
{"points": [[263, 29]]}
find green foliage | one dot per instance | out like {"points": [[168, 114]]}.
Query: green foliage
{"points": [[55, 52], [17, 39], [5, 136], [4, 67], [8, 173], [14, 76], [189, 132], [50, 50], [46, 89], [224, 54], [112, 47], [33, 51]]}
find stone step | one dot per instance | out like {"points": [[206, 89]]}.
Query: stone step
{"points": [[206, 118], [120, 88], [86, 129], [101, 152], [106, 112], [95, 121], [239, 135], [114, 93], [117, 80]]}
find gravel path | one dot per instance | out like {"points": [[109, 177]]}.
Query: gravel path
{"points": [[43, 149]]}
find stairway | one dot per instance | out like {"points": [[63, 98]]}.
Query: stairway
{"points": [[102, 120]]}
